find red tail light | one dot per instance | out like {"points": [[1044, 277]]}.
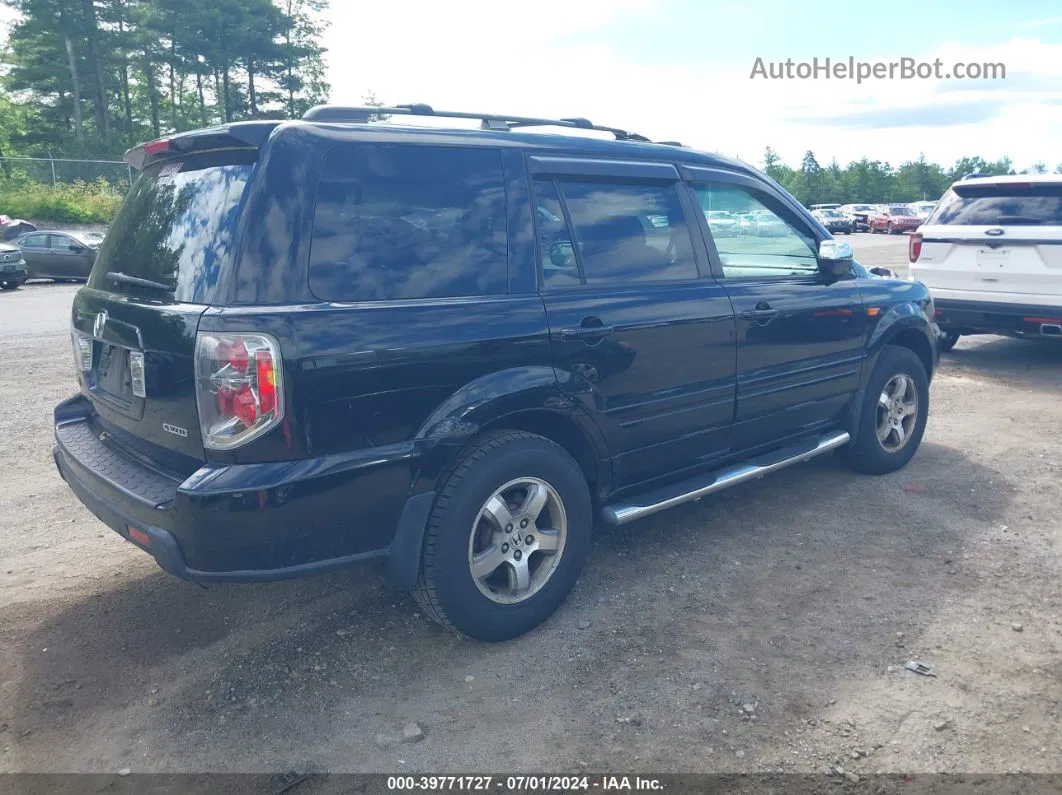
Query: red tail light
{"points": [[237, 402], [154, 147], [914, 247], [267, 383]]}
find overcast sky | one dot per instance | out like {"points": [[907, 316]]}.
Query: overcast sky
{"points": [[680, 69]]}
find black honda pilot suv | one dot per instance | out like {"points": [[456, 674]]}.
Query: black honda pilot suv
{"points": [[309, 344]]}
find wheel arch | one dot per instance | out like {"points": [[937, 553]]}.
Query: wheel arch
{"points": [[528, 399], [905, 326], [492, 404]]}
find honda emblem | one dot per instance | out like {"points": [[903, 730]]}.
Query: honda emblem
{"points": [[100, 322]]}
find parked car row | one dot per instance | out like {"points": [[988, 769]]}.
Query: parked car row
{"points": [[891, 218], [47, 254], [756, 223]]}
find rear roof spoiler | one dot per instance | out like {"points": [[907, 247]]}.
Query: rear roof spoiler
{"points": [[238, 135]]}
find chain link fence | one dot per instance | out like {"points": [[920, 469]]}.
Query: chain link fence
{"points": [[65, 170]]}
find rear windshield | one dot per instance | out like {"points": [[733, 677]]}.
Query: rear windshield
{"points": [[176, 228], [987, 205]]}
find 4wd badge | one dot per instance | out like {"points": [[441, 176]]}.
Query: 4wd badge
{"points": [[175, 430]]}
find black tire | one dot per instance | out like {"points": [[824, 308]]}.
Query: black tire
{"points": [[445, 587], [12, 285], [947, 342], [889, 230], [865, 453]]}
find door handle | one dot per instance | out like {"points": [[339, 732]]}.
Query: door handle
{"points": [[590, 329], [763, 313]]}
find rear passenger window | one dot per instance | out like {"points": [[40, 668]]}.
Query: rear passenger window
{"points": [[629, 233], [395, 222]]}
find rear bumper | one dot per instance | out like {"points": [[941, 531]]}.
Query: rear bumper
{"points": [[984, 317], [252, 522]]}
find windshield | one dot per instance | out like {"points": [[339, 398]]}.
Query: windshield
{"points": [[900, 211], [984, 205], [176, 228]]}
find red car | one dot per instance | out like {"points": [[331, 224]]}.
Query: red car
{"points": [[894, 219]]}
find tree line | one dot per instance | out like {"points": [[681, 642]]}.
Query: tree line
{"points": [[94, 77], [877, 182]]}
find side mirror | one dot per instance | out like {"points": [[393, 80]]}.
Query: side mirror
{"points": [[835, 257], [76, 248], [561, 254], [885, 273]]}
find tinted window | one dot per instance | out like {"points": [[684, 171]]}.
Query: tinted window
{"points": [[176, 227], [559, 267], [61, 242], [987, 205], [34, 241], [629, 233], [762, 242], [409, 222]]}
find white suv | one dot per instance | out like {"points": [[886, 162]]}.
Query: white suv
{"points": [[991, 255]]}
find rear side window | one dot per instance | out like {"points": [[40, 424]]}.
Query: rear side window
{"points": [[989, 205], [396, 222], [176, 228], [627, 233]]}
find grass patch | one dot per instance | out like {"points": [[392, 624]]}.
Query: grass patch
{"points": [[78, 202]]}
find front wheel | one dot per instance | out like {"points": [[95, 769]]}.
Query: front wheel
{"points": [[894, 413], [11, 285], [507, 537]]}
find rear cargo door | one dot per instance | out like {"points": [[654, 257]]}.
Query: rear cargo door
{"points": [[166, 258], [995, 242]]}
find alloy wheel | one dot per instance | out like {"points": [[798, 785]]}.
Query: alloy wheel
{"points": [[517, 540], [897, 413]]}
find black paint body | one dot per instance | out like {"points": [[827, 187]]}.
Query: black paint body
{"points": [[382, 395]]}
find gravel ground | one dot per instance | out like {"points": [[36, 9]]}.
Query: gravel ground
{"points": [[763, 629]]}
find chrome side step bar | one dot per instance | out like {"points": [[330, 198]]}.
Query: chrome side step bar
{"points": [[694, 488]]}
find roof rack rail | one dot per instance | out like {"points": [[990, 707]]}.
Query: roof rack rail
{"points": [[488, 121]]}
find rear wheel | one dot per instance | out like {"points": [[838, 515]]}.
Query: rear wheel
{"points": [[894, 413], [507, 537], [947, 342]]}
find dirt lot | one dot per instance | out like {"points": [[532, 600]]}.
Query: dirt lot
{"points": [[764, 629]]}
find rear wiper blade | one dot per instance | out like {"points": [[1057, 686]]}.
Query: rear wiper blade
{"points": [[125, 278]]}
